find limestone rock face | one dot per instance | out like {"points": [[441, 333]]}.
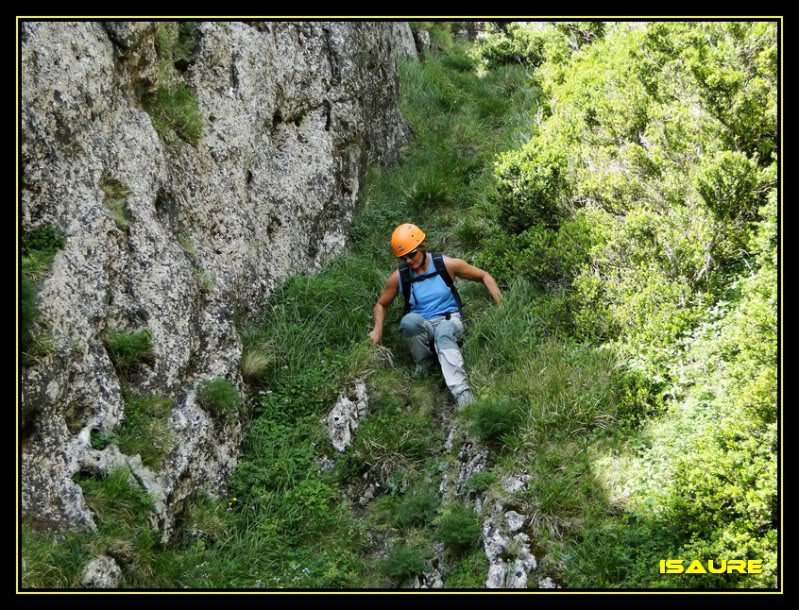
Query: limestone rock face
{"points": [[292, 114]]}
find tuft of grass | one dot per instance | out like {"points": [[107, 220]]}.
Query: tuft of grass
{"points": [[39, 347], [187, 244], [390, 444], [174, 43], [470, 572], [39, 247], [116, 497], [256, 362], [122, 510], [481, 481], [128, 350], [146, 430], [173, 106], [417, 509], [493, 420], [175, 111], [219, 396], [403, 563], [203, 519], [116, 194], [205, 283], [458, 528]]}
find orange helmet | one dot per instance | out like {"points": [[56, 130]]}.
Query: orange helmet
{"points": [[406, 238]]}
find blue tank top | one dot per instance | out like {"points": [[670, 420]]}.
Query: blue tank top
{"points": [[431, 298]]}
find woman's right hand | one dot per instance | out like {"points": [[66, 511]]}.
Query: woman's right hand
{"points": [[376, 336]]}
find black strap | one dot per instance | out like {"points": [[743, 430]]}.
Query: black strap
{"points": [[405, 284], [438, 261]]}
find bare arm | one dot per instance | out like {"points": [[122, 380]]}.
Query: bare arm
{"points": [[385, 299], [462, 269]]}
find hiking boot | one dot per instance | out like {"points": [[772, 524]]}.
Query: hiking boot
{"points": [[464, 399]]}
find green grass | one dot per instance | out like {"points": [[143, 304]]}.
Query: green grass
{"points": [[389, 445], [219, 396], [204, 282], [494, 419], [129, 350], [417, 508], [121, 510], [470, 572], [39, 248], [187, 244], [175, 111], [116, 195], [49, 561], [458, 528], [146, 430], [481, 481], [403, 563], [37, 347], [173, 105]]}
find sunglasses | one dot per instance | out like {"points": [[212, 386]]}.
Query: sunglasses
{"points": [[411, 255]]}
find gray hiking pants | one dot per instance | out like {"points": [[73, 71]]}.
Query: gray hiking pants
{"points": [[418, 334]]}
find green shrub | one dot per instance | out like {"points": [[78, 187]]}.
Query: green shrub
{"points": [[530, 186], [403, 563], [581, 33], [729, 184], [517, 46], [47, 239], [541, 255], [101, 440], [418, 509]]}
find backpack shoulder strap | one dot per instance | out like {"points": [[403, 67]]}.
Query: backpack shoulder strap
{"points": [[405, 284], [438, 261]]}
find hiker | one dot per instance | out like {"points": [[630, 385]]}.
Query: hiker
{"points": [[433, 319]]}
